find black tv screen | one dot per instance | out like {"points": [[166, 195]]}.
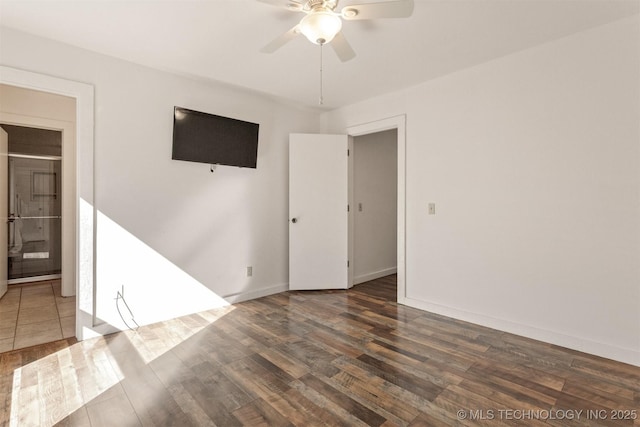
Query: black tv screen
{"points": [[216, 140]]}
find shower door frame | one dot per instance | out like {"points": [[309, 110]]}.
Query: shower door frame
{"points": [[41, 277]]}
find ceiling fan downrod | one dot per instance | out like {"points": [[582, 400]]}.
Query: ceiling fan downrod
{"points": [[321, 100]]}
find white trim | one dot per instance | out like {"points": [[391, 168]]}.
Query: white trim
{"points": [[399, 123], [83, 160], [258, 293], [625, 355], [374, 275], [351, 217]]}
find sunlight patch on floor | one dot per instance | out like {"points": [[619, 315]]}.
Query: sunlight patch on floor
{"points": [[50, 389]]}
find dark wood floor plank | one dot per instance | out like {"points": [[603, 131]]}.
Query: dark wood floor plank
{"points": [[501, 396], [346, 418], [170, 370], [520, 388], [358, 410], [259, 413], [312, 355], [594, 395], [271, 370], [341, 357], [623, 374], [525, 376], [347, 330], [436, 373], [288, 364], [336, 343], [253, 380], [381, 346], [189, 405], [378, 391], [429, 420], [472, 400], [411, 383], [366, 396], [207, 403], [313, 414], [459, 341]]}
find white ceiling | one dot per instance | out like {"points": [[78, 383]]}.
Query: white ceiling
{"points": [[220, 39]]}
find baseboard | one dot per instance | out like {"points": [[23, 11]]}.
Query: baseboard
{"points": [[620, 354], [375, 275], [84, 331], [257, 293]]}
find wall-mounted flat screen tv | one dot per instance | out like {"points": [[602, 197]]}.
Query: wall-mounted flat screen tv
{"points": [[216, 140]]}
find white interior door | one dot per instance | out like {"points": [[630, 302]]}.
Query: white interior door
{"points": [[318, 214], [4, 211]]}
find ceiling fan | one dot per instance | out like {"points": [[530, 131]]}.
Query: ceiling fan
{"points": [[322, 24]]}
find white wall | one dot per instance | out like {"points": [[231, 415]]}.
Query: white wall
{"points": [[176, 236], [375, 205], [533, 160]]}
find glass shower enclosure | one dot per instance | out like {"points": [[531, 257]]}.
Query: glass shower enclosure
{"points": [[35, 217]]}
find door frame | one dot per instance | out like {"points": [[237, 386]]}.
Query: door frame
{"points": [[4, 217], [82, 163], [399, 123], [68, 262]]}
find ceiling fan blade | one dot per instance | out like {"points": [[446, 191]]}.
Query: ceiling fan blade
{"points": [[388, 9], [342, 47], [280, 41], [294, 5]]}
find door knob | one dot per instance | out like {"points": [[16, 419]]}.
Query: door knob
{"points": [[294, 220]]}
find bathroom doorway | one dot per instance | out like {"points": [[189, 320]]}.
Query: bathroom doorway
{"points": [[42, 127], [39, 305], [35, 208], [33, 310]]}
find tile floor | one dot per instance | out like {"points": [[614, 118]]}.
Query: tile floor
{"points": [[35, 313]]}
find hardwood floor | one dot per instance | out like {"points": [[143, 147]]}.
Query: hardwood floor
{"points": [[315, 358]]}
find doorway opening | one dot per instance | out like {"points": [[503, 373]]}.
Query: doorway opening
{"points": [[38, 245], [33, 309], [40, 206], [375, 193], [35, 204], [397, 124]]}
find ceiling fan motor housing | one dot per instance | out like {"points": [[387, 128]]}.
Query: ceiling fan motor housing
{"points": [[321, 4]]}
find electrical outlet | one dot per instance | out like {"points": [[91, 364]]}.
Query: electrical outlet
{"points": [[249, 271], [359, 207], [432, 208]]}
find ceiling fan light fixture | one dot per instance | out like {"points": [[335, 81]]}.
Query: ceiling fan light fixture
{"points": [[320, 27]]}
